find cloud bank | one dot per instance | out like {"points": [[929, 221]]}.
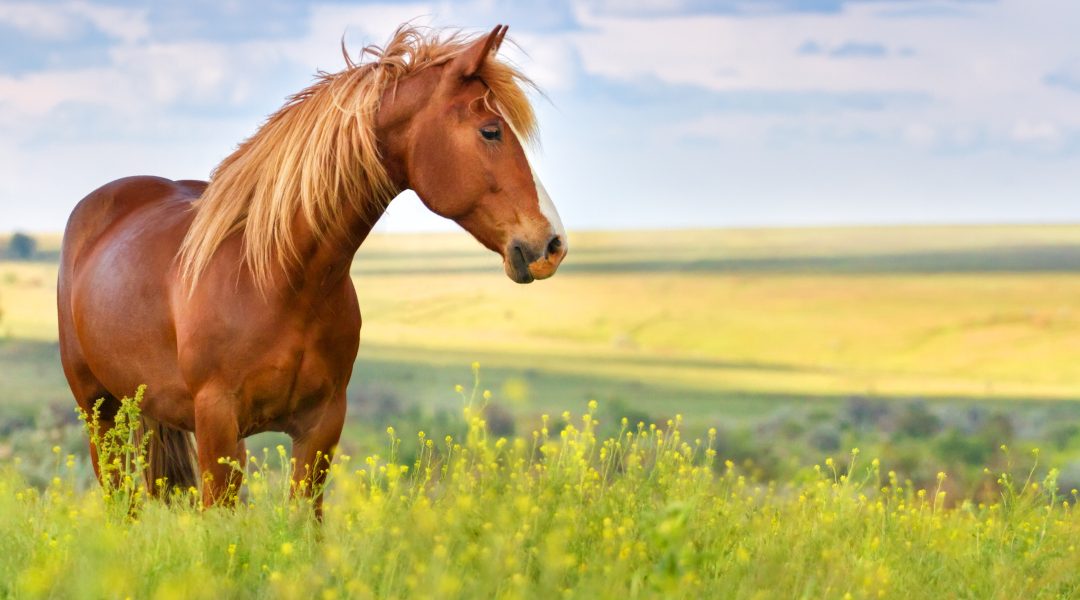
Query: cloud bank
{"points": [[659, 113]]}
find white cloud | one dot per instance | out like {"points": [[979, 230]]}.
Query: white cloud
{"points": [[985, 71], [145, 80], [141, 82], [920, 134], [1036, 131], [37, 20], [35, 95], [128, 25], [57, 21], [189, 71]]}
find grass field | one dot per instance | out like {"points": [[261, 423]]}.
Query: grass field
{"points": [[948, 353], [732, 322], [647, 513]]}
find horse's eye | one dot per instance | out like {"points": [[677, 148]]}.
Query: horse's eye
{"points": [[491, 132]]}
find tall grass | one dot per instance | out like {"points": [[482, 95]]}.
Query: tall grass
{"points": [[561, 512]]}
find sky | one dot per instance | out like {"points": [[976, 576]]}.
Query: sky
{"points": [[655, 114]]}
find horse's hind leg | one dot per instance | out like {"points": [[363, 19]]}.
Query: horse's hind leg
{"points": [[84, 385], [88, 392]]}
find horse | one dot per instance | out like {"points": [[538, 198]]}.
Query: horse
{"points": [[232, 299]]}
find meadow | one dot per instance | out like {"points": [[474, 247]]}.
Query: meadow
{"points": [[781, 350], [750, 317], [647, 513]]}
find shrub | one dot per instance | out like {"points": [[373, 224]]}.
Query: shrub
{"points": [[22, 246]]}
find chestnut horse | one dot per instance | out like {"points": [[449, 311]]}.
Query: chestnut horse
{"points": [[232, 300]]}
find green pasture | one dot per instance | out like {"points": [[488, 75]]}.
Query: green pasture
{"points": [[840, 413], [650, 512], [728, 322]]}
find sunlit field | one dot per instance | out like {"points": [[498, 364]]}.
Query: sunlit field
{"points": [[731, 322], [865, 412]]}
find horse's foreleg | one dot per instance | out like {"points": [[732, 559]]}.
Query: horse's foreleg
{"points": [[313, 450], [217, 437]]}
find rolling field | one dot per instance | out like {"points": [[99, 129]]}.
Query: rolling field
{"points": [[732, 322], [840, 413]]}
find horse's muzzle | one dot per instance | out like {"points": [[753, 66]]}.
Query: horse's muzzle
{"points": [[525, 263]]}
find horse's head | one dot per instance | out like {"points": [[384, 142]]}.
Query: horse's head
{"points": [[466, 162]]}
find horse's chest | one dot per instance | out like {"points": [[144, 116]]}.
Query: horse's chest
{"points": [[280, 366], [287, 371], [298, 381]]}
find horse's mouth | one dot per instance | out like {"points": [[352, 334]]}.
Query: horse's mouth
{"points": [[519, 266]]}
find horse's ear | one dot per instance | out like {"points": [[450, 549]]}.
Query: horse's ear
{"points": [[469, 62]]}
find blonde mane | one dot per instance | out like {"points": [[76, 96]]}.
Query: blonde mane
{"points": [[317, 157]]}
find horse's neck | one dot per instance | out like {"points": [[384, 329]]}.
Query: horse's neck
{"points": [[325, 262]]}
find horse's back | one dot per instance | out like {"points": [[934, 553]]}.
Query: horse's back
{"points": [[110, 203], [103, 211], [113, 287]]}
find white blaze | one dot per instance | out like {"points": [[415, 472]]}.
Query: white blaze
{"points": [[547, 208]]}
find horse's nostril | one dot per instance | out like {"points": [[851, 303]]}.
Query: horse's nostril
{"points": [[554, 245]]}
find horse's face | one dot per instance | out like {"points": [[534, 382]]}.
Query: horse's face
{"points": [[467, 164]]}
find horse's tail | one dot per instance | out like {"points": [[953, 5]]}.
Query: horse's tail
{"points": [[172, 457]]}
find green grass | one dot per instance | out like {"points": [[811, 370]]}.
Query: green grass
{"points": [[648, 513], [795, 345]]}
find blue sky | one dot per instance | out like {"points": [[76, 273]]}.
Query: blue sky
{"points": [[663, 113]]}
